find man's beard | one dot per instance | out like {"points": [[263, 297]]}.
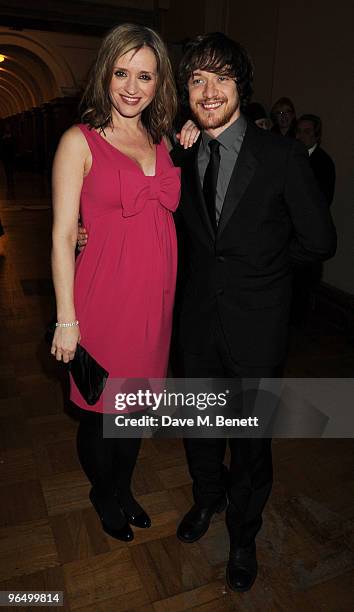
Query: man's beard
{"points": [[207, 121]]}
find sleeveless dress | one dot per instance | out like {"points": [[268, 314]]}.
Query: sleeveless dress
{"points": [[125, 277]]}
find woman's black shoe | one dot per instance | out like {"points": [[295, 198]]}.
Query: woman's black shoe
{"points": [[124, 532], [140, 519], [133, 512]]}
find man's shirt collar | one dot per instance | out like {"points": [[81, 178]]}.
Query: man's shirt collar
{"points": [[311, 150], [228, 137]]}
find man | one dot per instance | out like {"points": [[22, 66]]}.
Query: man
{"points": [[307, 278], [309, 132], [249, 208]]}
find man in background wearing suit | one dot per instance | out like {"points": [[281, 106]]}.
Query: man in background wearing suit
{"points": [[309, 132], [307, 278], [250, 207]]}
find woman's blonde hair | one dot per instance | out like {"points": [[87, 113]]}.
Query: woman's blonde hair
{"points": [[96, 105]]}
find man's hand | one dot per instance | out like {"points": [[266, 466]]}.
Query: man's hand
{"points": [[82, 237], [188, 135]]}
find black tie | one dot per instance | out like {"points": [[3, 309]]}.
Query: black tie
{"points": [[211, 179]]}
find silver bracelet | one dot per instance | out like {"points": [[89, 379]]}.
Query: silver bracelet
{"points": [[72, 324]]}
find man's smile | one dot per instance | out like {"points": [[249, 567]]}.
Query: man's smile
{"points": [[211, 105]]}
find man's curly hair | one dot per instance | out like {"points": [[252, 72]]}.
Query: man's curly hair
{"points": [[216, 52]]}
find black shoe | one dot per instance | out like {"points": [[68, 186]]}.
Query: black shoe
{"points": [[133, 512], [138, 519], [123, 532], [196, 522], [242, 568]]}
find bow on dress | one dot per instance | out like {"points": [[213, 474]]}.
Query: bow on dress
{"points": [[137, 189]]}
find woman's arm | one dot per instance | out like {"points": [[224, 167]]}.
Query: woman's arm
{"points": [[69, 168]]}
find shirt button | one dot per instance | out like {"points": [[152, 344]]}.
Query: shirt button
{"points": [[221, 258]]}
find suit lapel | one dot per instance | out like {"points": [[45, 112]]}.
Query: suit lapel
{"points": [[192, 182], [241, 177]]}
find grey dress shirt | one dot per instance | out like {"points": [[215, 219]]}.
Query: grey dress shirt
{"points": [[230, 141]]}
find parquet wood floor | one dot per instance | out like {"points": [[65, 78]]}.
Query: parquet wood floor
{"points": [[50, 536]]}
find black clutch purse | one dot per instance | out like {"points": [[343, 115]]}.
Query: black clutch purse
{"points": [[88, 375]]}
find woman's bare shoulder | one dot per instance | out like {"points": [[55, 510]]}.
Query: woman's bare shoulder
{"points": [[73, 151], [74, 140]]}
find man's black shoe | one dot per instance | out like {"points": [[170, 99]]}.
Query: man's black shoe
{"points": [[242, 568], [196, 522]]}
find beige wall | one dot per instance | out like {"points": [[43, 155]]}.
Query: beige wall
{"points": [[304, 50], [256, 28], [78, 52], [182, 19]]}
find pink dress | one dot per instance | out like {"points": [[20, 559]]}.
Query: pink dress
{"points": [[125, 277]]}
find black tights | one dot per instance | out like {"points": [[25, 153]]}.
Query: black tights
{"points": [[107, 462]]}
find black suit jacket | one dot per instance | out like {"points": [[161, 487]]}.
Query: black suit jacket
{"points": [[273, 214], [324, 171]]}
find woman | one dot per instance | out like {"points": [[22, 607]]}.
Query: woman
{"points": [[255, 112], [283, 116], [114, 171]]}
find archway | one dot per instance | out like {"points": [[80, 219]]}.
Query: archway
{"points": [[35, 70]]}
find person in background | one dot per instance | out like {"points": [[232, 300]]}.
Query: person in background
{"points": [[7, 152], [2, 240], [283, 116], [307, 278], [309, 132], [256, 113]]}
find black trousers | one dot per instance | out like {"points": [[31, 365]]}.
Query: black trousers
{"points": [[107, 462], [248, 481]]}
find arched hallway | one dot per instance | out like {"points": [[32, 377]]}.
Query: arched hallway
{"points": [[39, 91]]}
